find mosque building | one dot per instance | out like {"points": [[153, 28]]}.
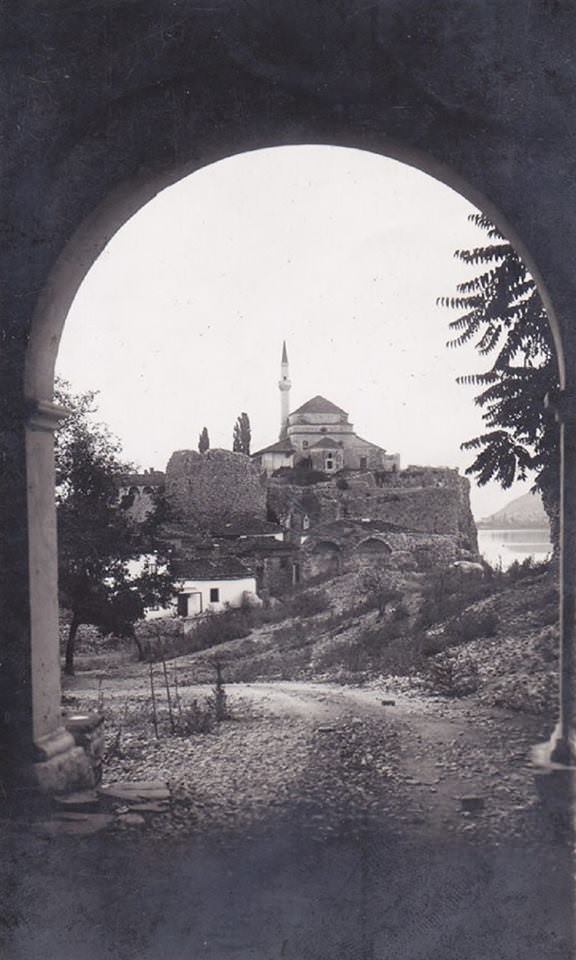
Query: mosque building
{"points": [[319, 436]]}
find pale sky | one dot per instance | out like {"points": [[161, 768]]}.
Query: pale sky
{"points": [[180, 322]]}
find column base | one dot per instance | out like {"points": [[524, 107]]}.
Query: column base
{"points": [[555, 781], [558, 752], [59, 766]]}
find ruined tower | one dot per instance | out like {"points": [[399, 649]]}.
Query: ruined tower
{"points": [[284, 385]]}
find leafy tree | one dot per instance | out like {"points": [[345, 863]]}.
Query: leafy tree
{"points": [[203, 441], [98, 539], [242, 435], [501, 311]]}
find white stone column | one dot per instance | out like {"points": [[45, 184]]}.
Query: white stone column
{"points": [[57, 763], [562, 746]]}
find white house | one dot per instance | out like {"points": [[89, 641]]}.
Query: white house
{"points": [[209, 584]]}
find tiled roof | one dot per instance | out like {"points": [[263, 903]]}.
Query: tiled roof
{"points": [[246, 527], [206, 568], [281, 446], [319, 405]]}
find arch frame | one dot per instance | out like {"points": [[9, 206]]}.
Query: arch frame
{"points": [[364, 79]]}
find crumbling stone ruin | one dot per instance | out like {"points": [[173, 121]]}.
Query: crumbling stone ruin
{"points": [[209, 489], [420, 512]]}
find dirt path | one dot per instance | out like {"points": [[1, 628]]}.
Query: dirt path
{"points": [[316, 824], [446, 750], [323, 754]]}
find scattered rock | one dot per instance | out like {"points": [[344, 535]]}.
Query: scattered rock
{"points": [[131, 819], [161, 807], [472, 804], [151, 790], [81, 801]]}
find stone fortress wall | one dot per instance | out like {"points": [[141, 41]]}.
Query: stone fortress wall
{"points": [[417, 501], [212, 488]]}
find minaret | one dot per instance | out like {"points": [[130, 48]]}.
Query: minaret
{"points": [[284, 385]]}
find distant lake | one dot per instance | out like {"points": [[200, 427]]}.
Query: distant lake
{"points": [[505, 546]]}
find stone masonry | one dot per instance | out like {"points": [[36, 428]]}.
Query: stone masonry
{"points": [[419, 500], [212, 488]]}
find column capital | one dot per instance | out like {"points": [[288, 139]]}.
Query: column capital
{"points": [[46, 415], [562, 404]]}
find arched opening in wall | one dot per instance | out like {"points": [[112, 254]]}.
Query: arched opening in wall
{"points": [[374, 546], [325, 559], [342, 255]]}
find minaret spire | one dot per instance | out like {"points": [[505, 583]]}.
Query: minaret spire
{"points": [[284, 385]]}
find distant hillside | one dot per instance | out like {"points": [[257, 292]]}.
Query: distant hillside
{"points": [[525, 511]]}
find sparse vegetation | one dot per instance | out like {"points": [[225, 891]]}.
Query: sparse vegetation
{"points": [[452, 676]]}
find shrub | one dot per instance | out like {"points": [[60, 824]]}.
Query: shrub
{"points": [[217, 628], [401, 612], [194, 718], [473, 624], [309, 604], [529, 567], [379, 589], [453, 675], [292, 636], [384, 648], [165, 638], [448, 591]]}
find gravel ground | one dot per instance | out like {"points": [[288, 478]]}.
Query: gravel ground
{"points": [[317, 824], [326, 758]]}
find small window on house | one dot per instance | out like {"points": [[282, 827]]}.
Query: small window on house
{"points": [[304, 444], [363, 463], [214, 595], [305, 522], [329, 463]]}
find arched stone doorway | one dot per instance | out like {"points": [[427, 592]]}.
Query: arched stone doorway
{"points": [[325, 559], [201, 85]]}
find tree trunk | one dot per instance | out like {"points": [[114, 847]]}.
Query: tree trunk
{"points": [[551, 502], [139, 647], [70, 646]]}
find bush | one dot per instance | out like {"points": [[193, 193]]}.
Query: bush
{"points": [[453, 675], [379, 589], [383, 648], [529, 567], [448, 591], [473, 624], [217, 628], [309, 604], [165, 638], [292, 636], [401, 612], [195, 718]]}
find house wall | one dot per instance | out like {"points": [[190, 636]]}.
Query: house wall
{"points": [[231, 593], [270, 462], [321, 460]]}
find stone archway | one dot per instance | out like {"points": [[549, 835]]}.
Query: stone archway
{"points": [[373, 546], [324, 559], [204, 84]]}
